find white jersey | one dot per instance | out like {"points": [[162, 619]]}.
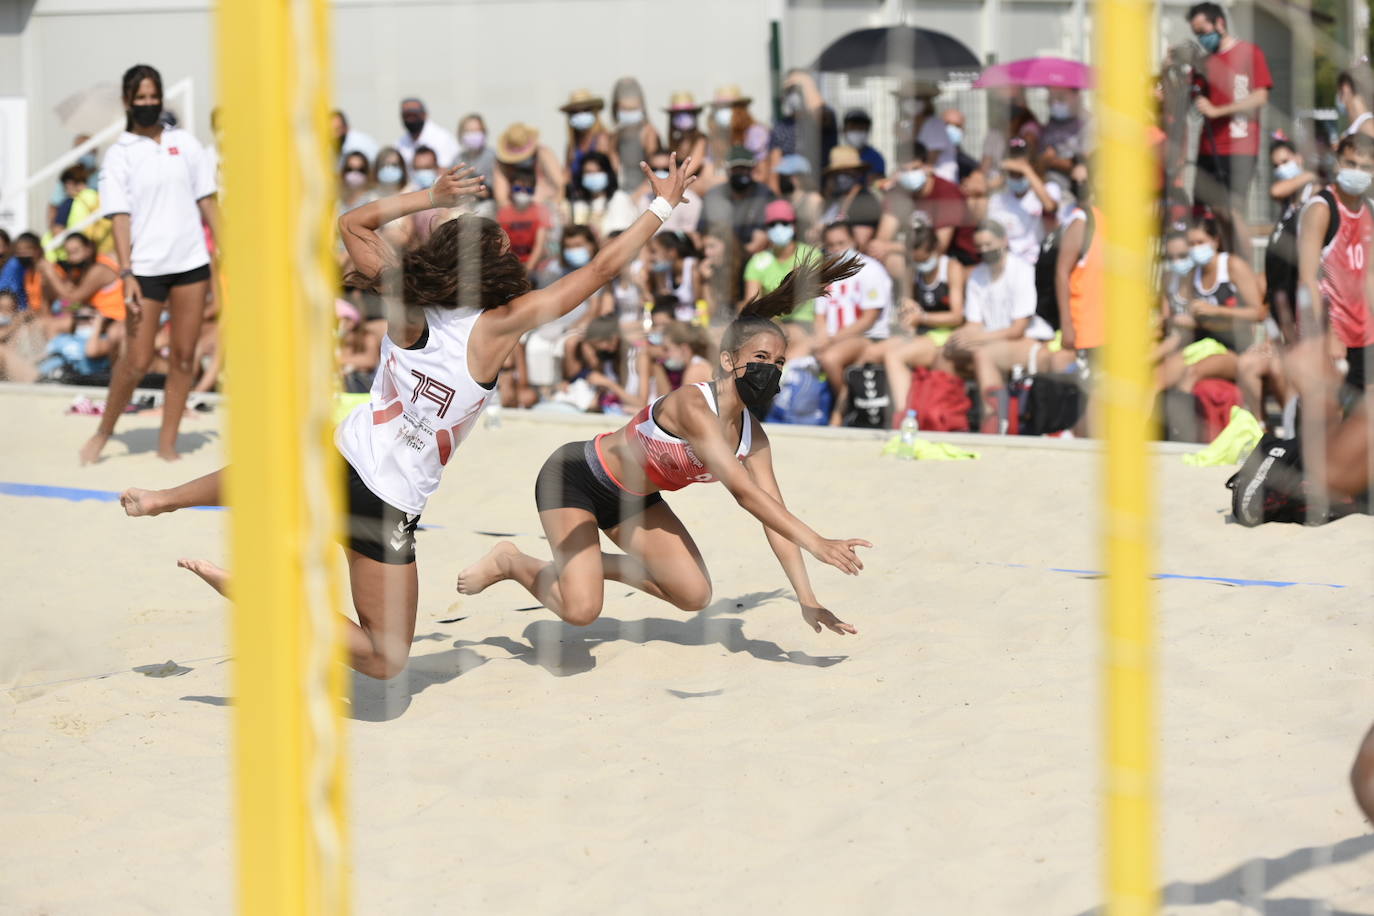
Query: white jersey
{"points": [[423, 404], [844, 300]]}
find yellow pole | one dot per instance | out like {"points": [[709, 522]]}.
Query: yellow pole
{"points": [[1124, 181], [283, 480]]}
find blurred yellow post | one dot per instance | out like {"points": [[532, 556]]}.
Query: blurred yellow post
{"points": [[1124, 184], [283, 478]]}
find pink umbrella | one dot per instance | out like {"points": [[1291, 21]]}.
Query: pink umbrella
{"points": [[1055, 72]]}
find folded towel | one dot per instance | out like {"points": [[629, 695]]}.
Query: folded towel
{"points": [[925, 450]]}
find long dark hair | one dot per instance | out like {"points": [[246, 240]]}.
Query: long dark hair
{"points": [[465, 262], [807, 281], [133, 78], [575, 189]]}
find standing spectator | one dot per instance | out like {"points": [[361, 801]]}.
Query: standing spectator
{"points": [[593, 188], [797, 186], [526, 222], [917, 122], [1025, 205], [846, 195], [474, 149], [624, 209], [733, 127], [1009, 118], [737, 205], [852, 318], [685, 136], [635, 139], [586, 133], [1080, 275], [421, 131], [1292, 187], [1064, 141], [346, 139], [765, 270], [921, 196], [158, 187], [1354, 96], [1002, 329], [518, 151], [857, 128], [807, 128], [954, 164], [20, 273], [1238, 84]]}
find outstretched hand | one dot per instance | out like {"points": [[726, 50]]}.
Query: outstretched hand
{"points": [[678, 181], [455, 184], [841, 555], [816, 617]]}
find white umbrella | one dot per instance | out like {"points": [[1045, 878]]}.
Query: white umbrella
{"points": [[90, 110]]}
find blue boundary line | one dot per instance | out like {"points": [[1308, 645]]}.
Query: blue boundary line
{"points": [[1227, 580]]}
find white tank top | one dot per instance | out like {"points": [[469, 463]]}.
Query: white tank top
{"points": [[423, 404]]}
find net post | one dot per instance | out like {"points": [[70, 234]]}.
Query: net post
{"points": [[1124, 182], [282, 481]]}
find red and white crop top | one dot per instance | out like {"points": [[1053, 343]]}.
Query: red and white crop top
{"points": [[669, 461]]}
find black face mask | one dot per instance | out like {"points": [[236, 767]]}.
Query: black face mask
{"points": [[992, 258], [758, 386], [26, 263], [414, 125], [786, 185], [742, 182], [145, 115]]}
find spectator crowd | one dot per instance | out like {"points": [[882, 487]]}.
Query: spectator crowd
{"points": [[980, 302]]}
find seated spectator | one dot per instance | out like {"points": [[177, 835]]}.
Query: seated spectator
{"points": [[424, 168], [85, 278], [80, 205], [687, 354], [732, 127], [765, 271], [920, 196], [591, 192], [719, 273], [685, 136], [633, 138], [1024, 204], [475, 151], [852, 318], [917, 122], [20, 273], [619, 371], [359, 351], [420, 131], [624, 209], [737, 205], [1292, 187], [1009, 118], [586, 133], [346, 139], [6, 247], [1002, 330], [549, 346], [807, 129], [670, 270], [22, 340], [845, 190], [390, 177], [954, 164], [526, 223], [519, 152], [858, 126], [629, 296], [83, 348], [1355, 97], [1222, 307], [796, 185], [932, 307], [1066, 138], [355, 183]]}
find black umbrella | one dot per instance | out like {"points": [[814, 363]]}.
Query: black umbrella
{"points": [[901, 51]]}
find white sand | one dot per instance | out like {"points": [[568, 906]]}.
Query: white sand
{"points": [[943, 761]]}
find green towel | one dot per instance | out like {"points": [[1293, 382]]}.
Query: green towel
{"points": [[344, 404], [1199, 350], [1233, 443], [925, 450]]}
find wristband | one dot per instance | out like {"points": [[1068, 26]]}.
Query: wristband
{"points": [[126, 272], [432, 204], [661, 208]]}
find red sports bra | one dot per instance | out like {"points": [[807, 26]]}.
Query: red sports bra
{"points": [[669, 461]]}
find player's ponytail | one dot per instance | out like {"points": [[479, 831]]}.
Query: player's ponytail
{"points": [[808, 280]]}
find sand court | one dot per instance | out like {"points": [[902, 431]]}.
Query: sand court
{"points": [[945, 760]]}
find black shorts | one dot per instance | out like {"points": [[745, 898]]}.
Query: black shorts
{"points": [[1354, 374], [573, 478], [1223, 182], [159, 288], [377, 529]]}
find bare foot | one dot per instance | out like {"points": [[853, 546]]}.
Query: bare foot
{"points": [[168, 454], [216, 578], [139, 503], [90, 452], [486, 572]]}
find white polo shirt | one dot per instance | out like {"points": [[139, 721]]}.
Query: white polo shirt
{"points": [[158, 184], [444, 144], [997, 303], [870, 288]]}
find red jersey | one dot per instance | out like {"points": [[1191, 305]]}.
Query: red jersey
{"points": [[522, 226], [1343, 267], [667, 460], [1231, 76]]}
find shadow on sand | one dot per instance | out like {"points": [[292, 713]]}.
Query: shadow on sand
{"points": [[138, 441]]}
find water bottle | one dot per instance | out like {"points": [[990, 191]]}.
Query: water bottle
{"points": [[910, 427], [492, 419]]}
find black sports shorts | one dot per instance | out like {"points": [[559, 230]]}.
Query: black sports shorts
{"points": [[376, 529], [573, 477], [160, 287]]}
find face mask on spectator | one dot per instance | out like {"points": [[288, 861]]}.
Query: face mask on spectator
{"points": [[741, 181], [1201, 253], [1210, 41], [1060, 111], [992, 257], [780, 234], [660, 173], [355, 179], [630, 117], [684, 120], [146, 115], [913, 180], [595, 182], [758, 386], [786, 185], [521, 199], [910, 108], [25, 262], [413, 124], [844, 182], [856, 138], [577, 257], [791, 104], [1181, 266], [724, 116], [673, 365], [474, 139], [955, 134], [390, 174], [1018, 185], [1353, 181], [425, 178], [1287, 170], [662, 266], [928, 264], [581, 120]]}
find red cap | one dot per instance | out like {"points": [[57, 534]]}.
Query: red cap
{"points": [[779, 211]]}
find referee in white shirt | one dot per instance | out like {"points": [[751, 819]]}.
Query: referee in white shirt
{"points": [[157, 185]]}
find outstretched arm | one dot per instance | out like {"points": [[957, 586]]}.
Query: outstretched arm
{"points": [[358, 228], [759, 464]]}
